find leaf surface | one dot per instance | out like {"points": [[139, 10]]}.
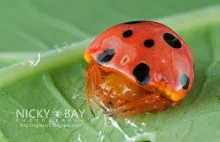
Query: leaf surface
{"points": [[52, 76]]}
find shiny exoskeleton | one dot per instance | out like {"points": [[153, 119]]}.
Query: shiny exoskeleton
{"points": [[138, 66]]}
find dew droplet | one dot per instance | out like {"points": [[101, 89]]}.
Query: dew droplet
{"points": [[61, 47], [32, 62]]}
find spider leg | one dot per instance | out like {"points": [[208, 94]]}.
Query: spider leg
{"points": [[160, 105], [142, 101], [93, 79]]}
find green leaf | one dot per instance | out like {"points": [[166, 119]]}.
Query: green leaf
{"points": [[54, 81]]}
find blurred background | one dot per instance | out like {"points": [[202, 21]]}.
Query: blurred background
{"points": [[38, 25]]}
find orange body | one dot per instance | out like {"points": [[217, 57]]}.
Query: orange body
{"points": [[136, 67]]}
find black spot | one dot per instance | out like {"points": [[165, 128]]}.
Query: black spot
{"points": [[134, 22], [149, 43], [172, 40], [184, 80], [127, 33], [141, 73], [106, 56]]}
